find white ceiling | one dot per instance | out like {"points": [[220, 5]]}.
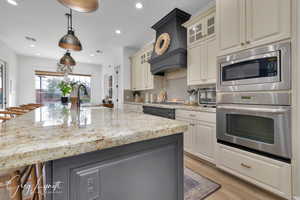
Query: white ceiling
{"points": [[45, 21]]}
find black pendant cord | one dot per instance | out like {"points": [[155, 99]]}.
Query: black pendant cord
{"points": [[70, 20]]}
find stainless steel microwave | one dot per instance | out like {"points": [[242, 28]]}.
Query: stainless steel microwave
{"points": [[260, 69]]}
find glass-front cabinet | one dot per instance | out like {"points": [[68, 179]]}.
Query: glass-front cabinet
{"points": [[211, 24], [142, 78], [202, 48], [196, 32], [205, 27]]}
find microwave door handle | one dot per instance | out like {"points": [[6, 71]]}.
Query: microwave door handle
{"points": [[257, 110]]}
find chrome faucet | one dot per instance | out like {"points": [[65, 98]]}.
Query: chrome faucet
{"points": [[78, 93]]}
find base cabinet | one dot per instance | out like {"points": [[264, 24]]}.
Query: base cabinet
{"points": [[270, 174], [146, 170], [200, 139]]}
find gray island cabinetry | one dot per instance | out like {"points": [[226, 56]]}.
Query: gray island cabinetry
{"points": [[142, 171]]}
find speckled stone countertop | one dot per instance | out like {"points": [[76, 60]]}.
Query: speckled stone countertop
{"points": [[177, 106], [50, 133]]}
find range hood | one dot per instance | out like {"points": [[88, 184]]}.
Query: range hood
{"points": [[176, 54]]}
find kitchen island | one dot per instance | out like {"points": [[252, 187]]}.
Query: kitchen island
{"points": [[98, 153]]}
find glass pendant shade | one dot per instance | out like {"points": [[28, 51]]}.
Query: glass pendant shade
{"points": [[81, 5], [67, 60], [70, 41]]}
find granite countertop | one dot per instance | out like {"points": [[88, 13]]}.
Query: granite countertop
{"points": [[50, 133], [177, 106]]}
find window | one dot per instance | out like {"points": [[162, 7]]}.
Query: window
{"points": [[46, 86]]}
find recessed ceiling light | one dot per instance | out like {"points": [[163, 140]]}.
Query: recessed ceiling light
{"points": [[12, 2], [92, 55], [32, 45], [118, 32], [139, 5]]}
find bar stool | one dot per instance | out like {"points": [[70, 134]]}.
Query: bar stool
{"points": [[7, 115], [37, 105], [27, 107], [32, 175], [18, 179]]}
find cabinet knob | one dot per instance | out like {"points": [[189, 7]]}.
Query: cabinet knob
{"points": [[242, 43], [248, 42]]}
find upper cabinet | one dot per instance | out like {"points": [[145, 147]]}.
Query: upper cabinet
{"points": [[245, 24], [141, 76], [202, 48], [201, 27]]}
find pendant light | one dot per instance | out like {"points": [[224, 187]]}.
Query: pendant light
{"points": [[70, 41], [81, 5], [67, 60]]}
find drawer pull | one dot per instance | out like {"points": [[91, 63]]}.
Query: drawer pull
{"points": [[192, 115], [246, 166], [192, 124]]}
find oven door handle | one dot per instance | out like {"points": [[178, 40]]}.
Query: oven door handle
{"points": [[256, 109]]}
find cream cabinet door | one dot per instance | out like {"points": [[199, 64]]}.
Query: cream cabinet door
{"points": [[267, 21], [139, 74], [200, 139], [210, 67], [134, 72], [210, 25], [149, 76], [203, 140], [196, 32], [188, 135], [196, 62], [231, 25]]}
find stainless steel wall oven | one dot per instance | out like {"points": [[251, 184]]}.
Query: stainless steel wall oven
{"points": [[266, 129]]}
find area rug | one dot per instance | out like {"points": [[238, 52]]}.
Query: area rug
{"points": [[197, 187]]}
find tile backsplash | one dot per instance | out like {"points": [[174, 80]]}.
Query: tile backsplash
{"points": [[176, 88], [174, 83]]}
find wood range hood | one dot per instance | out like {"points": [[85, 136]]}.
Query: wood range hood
{"points": [[175, 56]]}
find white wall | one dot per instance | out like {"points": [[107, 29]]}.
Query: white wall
{"points": [[26, 71], [10, 58]]}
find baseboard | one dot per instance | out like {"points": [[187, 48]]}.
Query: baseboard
{"points": [[296, 198]]}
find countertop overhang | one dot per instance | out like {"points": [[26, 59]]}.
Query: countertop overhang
{"points": [[54, 132], [176, 106]]}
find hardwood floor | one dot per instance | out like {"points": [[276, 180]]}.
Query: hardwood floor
{"points": [[232, 188]]}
